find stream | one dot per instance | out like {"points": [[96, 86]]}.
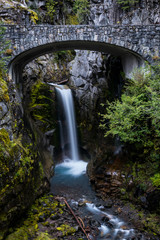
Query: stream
{"points": [[70, 179], [71, 182]]}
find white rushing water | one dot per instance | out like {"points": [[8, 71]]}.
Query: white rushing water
{"points": [[65, 96], [71, 165], [116, 223], [74, 168]]}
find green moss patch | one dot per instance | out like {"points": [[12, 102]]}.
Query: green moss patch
{"points": [[39, 222], [4, 96], [20, 173], [66, 229]]}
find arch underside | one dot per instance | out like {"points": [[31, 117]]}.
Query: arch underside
{"points": [[18, 63]]}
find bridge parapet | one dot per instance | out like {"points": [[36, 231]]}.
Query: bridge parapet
{"points": [[143, 40], [133, 43]]}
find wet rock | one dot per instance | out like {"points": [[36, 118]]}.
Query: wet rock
{"points": [[52, 223], [42, 217], [3, 109], [79, 82], [105, 219], [93, 223], [143, 199], [44, 204], [110, 225], [108, 204], [35, 211], [54, 217], [108, 236]]}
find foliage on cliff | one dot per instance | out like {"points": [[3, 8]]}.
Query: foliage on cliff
{"points": [[51, 8], [125, 4], [41, 105], [81, 8], [136, 117], [20, 174], [4, 45]]}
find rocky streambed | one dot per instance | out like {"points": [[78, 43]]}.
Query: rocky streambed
{"points": [[73, 211]]}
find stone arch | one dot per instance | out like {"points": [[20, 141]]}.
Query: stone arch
{"points": [[130, 59], [132, 43]]}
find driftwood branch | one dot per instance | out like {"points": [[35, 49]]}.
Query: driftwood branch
{"points": [[76, 218], [64, 81]]}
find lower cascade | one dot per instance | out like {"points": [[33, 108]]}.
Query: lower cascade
{"points": [[71, 181]]}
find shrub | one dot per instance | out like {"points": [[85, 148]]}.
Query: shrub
{"points": [[136, 117]]}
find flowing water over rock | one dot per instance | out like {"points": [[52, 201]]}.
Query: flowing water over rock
{"points": [[70, 181], [75, 187]]}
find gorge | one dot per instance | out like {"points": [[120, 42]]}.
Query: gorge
{"points": [[96, 61]]}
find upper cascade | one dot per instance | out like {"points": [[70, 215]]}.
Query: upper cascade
{"points": [[68, 130]]}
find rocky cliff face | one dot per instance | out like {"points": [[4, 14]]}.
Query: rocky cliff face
{"points": [[88, 79], [102, 12], [109, 12], [93, 77], [22, 176]]}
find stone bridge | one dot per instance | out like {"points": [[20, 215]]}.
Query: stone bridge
{"points": [[133, 43]]}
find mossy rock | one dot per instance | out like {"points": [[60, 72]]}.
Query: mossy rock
{"points": [[29, 227], [44, 236], [66, 230], [41, 107], [4, 96]]}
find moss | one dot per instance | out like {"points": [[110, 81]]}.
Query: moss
{"points": [[15, 159], [150, 222], [18, 166], [72, 20], [66, 229], [29, 227], [21, 234], [44, 236], [4, 96], [4, 137]]}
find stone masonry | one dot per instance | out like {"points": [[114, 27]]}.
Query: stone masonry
{"points": [[29, 42]]}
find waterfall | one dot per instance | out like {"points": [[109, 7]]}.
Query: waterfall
{"points": [[68, 124], [71, 164]]}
